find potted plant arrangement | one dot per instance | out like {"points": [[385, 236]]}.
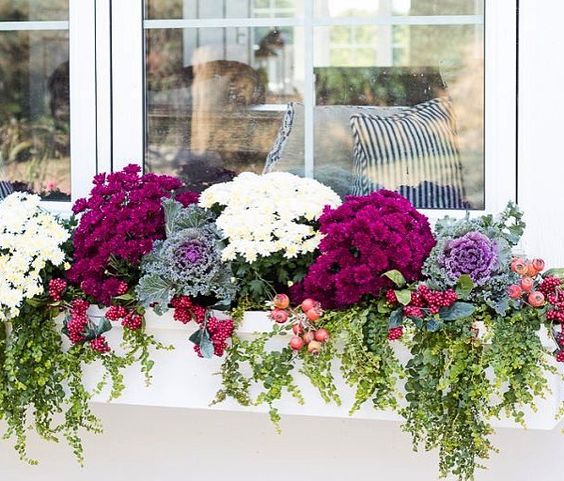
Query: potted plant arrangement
{"points": [[443, 325]]}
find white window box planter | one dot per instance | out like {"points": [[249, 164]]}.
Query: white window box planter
{"points": [[183, 380]]}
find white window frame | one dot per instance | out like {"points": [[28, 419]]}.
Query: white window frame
{"points": [[82, 66], [500, 83]]}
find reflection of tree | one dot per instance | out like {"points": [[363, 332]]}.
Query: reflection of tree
{"points": [[400, 86], [34, 123]]}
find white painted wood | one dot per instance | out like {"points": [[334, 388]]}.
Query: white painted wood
{"points": [[127, 82], [207, 22], [541, 165], [33, 26], [82, 62], [182, 380]]}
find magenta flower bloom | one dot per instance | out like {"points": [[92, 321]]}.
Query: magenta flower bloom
{"points": [[364, 238], [473, 254], [120, 221]]}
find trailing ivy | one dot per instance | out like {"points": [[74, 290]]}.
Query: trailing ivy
{"points": [[448, 396], [358, 339], [270, 371], [368, 361], [519, 361], [41, 384]]}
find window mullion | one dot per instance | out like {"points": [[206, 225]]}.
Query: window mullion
{"points": [[309, 90]]}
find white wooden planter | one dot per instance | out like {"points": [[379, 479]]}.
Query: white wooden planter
{"points": [[183, 380]]}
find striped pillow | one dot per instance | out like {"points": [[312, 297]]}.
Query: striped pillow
{"points": [[414, 152], [5, 186]]}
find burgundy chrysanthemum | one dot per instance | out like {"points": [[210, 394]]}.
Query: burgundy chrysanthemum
{"points": [[364, 238], [120, 221]]}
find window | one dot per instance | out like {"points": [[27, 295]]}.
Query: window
{"points": [[412, 95], [35, 98], [219, 76], [34, 93]]}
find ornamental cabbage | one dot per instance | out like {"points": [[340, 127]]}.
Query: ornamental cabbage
{"points": [[186, 263]]}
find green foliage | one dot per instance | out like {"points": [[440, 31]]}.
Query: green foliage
{"points": [[368, 362], [138, 346], [41, 384], [267, 276], [270, 371], [519, 361], [448, 396], [318, 369]]}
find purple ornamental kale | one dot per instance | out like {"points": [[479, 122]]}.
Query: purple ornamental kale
{"points": [[473, 254]]}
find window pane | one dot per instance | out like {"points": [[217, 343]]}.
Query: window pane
{"points": [[216, 98], [26, 10], [397, 79], [191, 9], [34, 111], [374, 8]]}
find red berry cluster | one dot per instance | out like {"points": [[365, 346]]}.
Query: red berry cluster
{"points": [[551, 288], [100, 344], [115, 313], [77, 324], [426, 300], [220, 332], [122, 288], [129, 319], [78, 320], [391, 297], [395, 333], [56, 288], [185, 310], [132, 321]]}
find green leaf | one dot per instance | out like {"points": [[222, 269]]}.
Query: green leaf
{"points": [[383, 306], [202, 339], [501, 306], [171, 210], [152, 289], [433, 325], [196, 337], [459, 310], [206, 346], [555, 272], [464, 286], [403, 296], [395, 319], [396, 277], [101, 326]]}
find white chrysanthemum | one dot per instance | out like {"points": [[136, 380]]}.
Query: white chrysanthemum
{"points": [[265, 214], [29, 239]]}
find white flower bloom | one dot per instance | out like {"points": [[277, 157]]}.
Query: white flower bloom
{"points": [[30, 238], [264, 214]]}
